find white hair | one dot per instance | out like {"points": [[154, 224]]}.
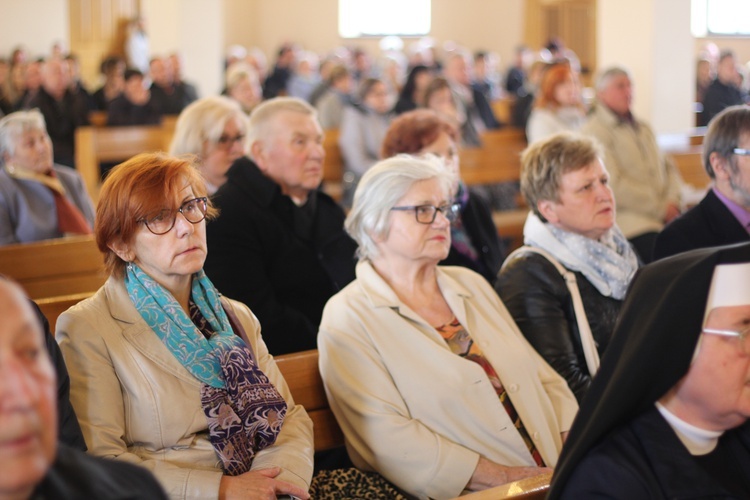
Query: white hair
{"points": [[267, 110], [15, 124], [381, 188], [204, 120]]}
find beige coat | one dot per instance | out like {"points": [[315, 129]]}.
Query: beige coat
{"points": [[419, 414], [643, 181], [136, 402]]}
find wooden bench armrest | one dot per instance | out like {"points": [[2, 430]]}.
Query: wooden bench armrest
{"points": [[531, 488]]}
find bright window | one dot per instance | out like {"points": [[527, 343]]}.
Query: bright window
{"points": [[362, 18], [720, 17]]}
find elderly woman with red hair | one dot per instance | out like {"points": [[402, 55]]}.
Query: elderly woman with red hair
{"points": [[474, 240], [558, 105]]}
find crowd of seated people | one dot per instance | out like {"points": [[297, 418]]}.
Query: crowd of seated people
{"points": [[162, 364]]}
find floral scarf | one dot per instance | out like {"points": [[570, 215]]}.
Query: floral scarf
{"points": [[243, 409], [609, 264]]}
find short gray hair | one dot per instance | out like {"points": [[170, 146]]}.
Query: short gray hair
{"points": [[723, 135], [15, 124], [381, 188], [267, 110], [239, 72], [204, 120], [602, 82]]}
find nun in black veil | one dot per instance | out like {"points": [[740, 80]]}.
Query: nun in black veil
{"points": [[666, 416]]}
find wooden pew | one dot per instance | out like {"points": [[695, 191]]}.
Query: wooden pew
{"points": [[503, 109], [113, 144], [333, 165], [57, 267], [532, 488], [53, 307], [301, 373], [498, 160]]}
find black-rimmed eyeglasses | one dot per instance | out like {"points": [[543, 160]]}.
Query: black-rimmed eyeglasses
{"points": [[426, 214], [743, 336], [193, 210]]}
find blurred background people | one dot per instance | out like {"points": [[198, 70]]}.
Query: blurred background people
{"points": [[39, 199], [243, 86], [570, 234], [724, 91], [134, 106], [335, 98], [557, 105], [113, 71], [214, 130], [412, 93]]}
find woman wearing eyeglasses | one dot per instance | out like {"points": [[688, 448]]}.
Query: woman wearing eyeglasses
{"points": [[164, 371], [213, 129], [429, 378], [474, 240]]}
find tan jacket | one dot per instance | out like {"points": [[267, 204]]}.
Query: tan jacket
{"points": [[419, 414], [643, 181], [136, 402]]}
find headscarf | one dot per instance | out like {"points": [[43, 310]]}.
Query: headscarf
{"points": [[651, 349]]}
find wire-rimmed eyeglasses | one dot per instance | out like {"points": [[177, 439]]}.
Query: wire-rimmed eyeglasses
{"points": [[741, 151], [426, 214], [193, 210], [743, 336]]}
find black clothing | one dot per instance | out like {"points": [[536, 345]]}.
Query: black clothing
{"points": [[645, 459], [259, 254], [477, 220], [62, 118], [172, 101], [719, 96], [539, 300], [77, 476], [404, 104], [275, 84], [643, 244], [482, 103], [522, 109], [121, 112], [651, 350], [708, 224], [514, 80], [69, 431]]}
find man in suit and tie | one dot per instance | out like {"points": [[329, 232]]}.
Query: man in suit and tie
{"points": [[723, 216]]}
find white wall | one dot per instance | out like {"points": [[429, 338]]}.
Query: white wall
{"points": [[35, 24], [663, 75], [195, 28]]}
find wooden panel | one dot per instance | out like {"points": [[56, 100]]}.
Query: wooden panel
{"points": [[55, 267], [509, 225], [300, 370], [532, 488], [498, 160], [690, 165], [53, 307]]}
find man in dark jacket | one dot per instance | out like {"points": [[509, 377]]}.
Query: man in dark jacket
{"points": [[724, 90], [723, 216], [63, 110], [279, 245]]}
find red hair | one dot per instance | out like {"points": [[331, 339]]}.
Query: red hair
{"points": [[136, 189], [413, 131], [553, 76]]}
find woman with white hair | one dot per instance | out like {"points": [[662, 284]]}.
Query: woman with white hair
{"points": [[430, 379], [243, 86], [213, 129], [39, 200]]}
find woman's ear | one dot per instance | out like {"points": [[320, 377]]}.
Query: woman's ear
{"points": [[548, 209], [122, 250]]}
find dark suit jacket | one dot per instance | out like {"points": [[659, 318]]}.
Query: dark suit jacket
{"points": [[708, 224], [75, 475], [263, 253], [62, 118]]}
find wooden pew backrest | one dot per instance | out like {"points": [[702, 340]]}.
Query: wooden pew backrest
{"points": [[113, 144], [497, 160], [53, 307], [301, 373], [51, 268]]}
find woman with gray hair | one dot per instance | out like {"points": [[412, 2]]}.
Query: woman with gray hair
{"points": [[565, 287], [39, 200], [429, 378], [213, 129]]}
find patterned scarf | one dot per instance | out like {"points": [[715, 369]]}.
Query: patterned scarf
{"points": [[609, 264], [243, 409]]}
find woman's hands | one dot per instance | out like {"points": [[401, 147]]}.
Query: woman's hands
{"points": [[489, 474], [259, 484]]}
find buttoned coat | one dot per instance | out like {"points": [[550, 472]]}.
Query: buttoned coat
{"points": [[416, 412], [136, 402]]}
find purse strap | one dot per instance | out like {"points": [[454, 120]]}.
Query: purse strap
{"points": [[587, 338]]}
